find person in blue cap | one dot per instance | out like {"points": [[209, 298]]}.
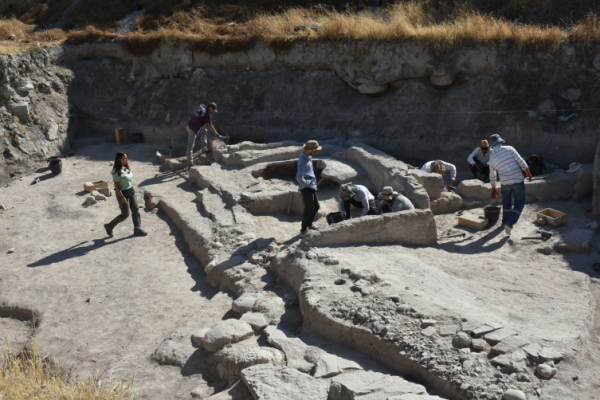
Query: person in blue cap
{"points": [[510, 166]]}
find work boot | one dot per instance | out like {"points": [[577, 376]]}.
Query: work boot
{"points": [[507, 229], [312, 228], [139, 232], [109, 230], [303, 232]]}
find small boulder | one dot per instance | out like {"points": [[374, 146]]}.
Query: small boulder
{"points": [[255, 319], [7, 92], [462, 339], [512, 394], [571, 94], [442, 81], [198, 337], [547, 108], [91, 200], [105, 191], [245, 302], [228, 331], [100, 196], [547, 250], [546, 370], [25, 86]]}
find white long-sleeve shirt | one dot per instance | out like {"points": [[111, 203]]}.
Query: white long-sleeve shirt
{"points": [[363, 195], [478, 154], [451, 167], [508, 163]]}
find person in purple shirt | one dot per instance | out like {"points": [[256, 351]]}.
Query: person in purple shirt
{"points": [[197, 126]]}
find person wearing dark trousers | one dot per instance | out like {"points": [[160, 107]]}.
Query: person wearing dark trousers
{"points": [[123, 179], [307, 184], [357, 196], [478, 161]]}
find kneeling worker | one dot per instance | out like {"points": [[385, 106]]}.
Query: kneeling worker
{"points": [[440, 167], [392, 201], [478, 160], [358, 196]]}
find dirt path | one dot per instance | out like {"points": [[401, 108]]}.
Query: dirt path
{"points": [[106, 303]]}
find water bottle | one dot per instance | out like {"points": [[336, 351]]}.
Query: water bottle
{"points": [[35, 180]]}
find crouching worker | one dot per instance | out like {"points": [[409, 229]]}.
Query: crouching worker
{"points": [[478, 160], [307, 184], [357, 196], [392, 201], [440, 167]]}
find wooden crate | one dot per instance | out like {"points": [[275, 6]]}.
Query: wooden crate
{"points": [[553, 217], [473, 221], [121, 136], [94, 186]]}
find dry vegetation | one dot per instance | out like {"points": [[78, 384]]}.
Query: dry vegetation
{"points": [[28, 375], [445, 24]]}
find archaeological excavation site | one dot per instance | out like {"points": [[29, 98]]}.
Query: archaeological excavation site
{"points": [[231, 285]]}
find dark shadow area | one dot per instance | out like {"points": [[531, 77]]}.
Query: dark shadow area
{"points": [[43, 169], [161, 177], [476, 247], [75, 251]]}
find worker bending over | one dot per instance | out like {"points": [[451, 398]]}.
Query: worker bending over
{"points": [[478, 160], [196, 126], [440, 167], [509, 165], [358, 196], [392, 201]]}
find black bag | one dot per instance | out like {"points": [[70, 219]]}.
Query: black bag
{"points": [[128, 192], [335, 217]]}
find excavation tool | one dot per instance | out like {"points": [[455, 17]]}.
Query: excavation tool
{"points": [[453, 236], [543, 236]]}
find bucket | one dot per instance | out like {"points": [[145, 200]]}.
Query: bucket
{"points": [[55, 165], [492, 213]]}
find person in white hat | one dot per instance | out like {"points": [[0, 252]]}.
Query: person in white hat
{"points": [[392, 201], [307, 184], [357, 196], [509, 165]]}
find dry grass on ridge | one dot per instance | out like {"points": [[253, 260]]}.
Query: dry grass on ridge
{"points": [[31, 376], [406, 21]]}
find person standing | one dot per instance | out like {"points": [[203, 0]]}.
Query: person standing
{"points": [[123, 179], [440, 167], [510, 167], [478, 160], [197, 126], [357, 196], [392, 201], [307, 184]]}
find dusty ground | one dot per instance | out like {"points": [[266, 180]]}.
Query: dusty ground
{"points": [[106, 303]]}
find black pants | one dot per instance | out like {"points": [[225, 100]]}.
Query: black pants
{"points": [[135, 212], [481, 172], [311, 206], [358, 204]]}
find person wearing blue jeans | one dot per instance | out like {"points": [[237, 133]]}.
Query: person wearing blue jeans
{"points": [[510, 167], [513, 202]]}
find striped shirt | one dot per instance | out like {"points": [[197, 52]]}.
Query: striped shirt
{"points": [[508, 163]]}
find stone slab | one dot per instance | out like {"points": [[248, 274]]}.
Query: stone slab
{"points": [[499, 335], [508, 345], [267, 382]]}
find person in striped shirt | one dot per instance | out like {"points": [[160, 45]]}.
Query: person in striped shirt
{"points": [[510, 166]]}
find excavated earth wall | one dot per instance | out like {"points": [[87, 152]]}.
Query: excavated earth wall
{"points": [[398, 97]]}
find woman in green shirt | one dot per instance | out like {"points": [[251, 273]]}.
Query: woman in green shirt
{"points": [[123, 179]]}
